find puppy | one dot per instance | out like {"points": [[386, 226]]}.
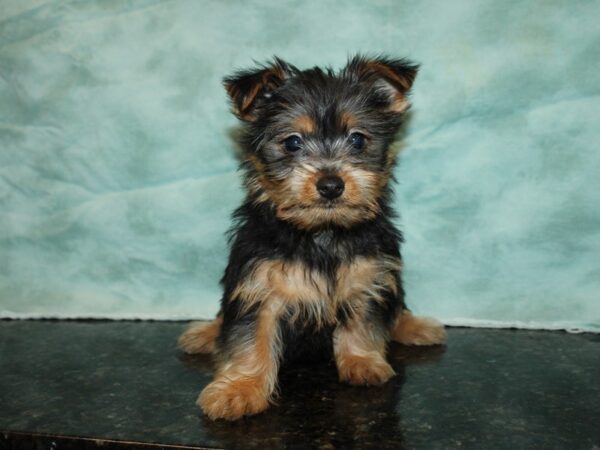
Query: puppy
{"points": [[315, 266]]}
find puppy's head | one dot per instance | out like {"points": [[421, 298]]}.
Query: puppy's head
{"points": [[318, 142]]}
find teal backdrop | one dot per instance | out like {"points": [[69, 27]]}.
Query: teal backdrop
{"points": [[118, 170]]}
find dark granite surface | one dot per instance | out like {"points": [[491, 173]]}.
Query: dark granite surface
{"points": [[125, 381]]}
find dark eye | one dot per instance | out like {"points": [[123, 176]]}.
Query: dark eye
{"points": [[293, 143], [357, 140]]}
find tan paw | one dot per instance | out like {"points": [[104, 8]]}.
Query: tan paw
{"points": [[414, 330], [364, 370], [231, 399], [200, 337]]}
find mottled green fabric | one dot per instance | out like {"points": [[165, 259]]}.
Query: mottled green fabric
{"points": [[118, 171]]}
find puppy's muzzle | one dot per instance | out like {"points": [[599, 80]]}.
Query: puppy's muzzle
{"points": [[330, 187]]}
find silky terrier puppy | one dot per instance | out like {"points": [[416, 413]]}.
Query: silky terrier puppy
{"points": [[315, 263]]}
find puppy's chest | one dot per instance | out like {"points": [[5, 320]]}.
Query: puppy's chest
{"points": [[298, 290]]}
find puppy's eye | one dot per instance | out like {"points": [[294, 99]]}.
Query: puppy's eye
{"points": [[357, 141], [293, 143]]}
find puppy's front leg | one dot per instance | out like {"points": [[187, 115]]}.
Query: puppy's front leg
{"points": [[247, 373], [359, 347]]}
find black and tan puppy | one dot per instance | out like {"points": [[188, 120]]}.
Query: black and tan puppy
{"points": [[315, 260]]}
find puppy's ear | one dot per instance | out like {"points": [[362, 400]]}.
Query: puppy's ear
{"points": [[249, 89], [391, 77]]}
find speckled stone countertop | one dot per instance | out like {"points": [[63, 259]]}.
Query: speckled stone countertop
{"points": [[125, 381]]}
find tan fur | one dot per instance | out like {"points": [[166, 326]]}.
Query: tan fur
{"points": [[348, 120], [360, 354], [291, 284], [413, 330], [389, 165], [370, 369], [398, 85], [259, 183], [242, 106], [304, 125], [297, 200], [399, 104], [362, 188], [366, 278], [307, 294], [200, 337], [388, 73], [232, 399], [279, 286], [245, 383], [272, 290]]}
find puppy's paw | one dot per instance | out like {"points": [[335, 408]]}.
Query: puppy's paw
{"points": [[200, 337], [231, 399], [364, 370], [414, 330]]}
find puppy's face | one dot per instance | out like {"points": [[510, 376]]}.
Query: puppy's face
{"points": [[318, 142]]}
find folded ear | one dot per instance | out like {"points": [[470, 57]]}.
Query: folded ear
{"points": [[391, 77], [249, 89]]}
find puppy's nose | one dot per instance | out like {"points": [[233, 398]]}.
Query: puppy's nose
{"points": [[330, 186]]}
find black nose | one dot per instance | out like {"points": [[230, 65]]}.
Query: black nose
{"points": [[330, 186]]}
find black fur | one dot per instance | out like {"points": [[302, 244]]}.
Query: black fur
{"points": [[258, 233], [314, 267]]}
